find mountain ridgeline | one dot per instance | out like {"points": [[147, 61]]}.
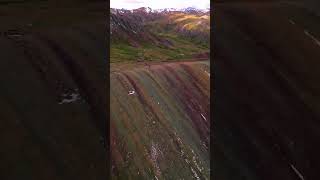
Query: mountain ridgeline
{"points": [[146, 34]]}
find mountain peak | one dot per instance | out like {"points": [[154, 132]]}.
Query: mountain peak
{"points": [[147, 10], [195, 10]]}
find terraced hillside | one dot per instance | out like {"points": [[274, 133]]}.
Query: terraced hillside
{"points": [[160, 120], [53, 91]]}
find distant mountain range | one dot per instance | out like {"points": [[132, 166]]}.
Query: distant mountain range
{"points": [[144, 33], [149, 10]]}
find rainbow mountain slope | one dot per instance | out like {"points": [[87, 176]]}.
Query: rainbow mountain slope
{"points": [[160, 120]]}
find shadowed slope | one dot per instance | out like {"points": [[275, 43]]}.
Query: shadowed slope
{"points": [[267, 92], [52, 95]]}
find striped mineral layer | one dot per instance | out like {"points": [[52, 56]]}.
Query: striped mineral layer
{"points": [[160, 120]]}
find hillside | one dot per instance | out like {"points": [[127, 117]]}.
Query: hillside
{"points": [[160, 120], [146, 35], [160, 94]]}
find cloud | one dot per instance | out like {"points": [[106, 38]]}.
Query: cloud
{"points": [[127, 4], [133, 1], [158, 4]]}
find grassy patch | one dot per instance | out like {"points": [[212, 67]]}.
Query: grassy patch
{"points": [[181, 48]]}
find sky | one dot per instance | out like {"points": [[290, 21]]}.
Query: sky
{"points": [[159, 4]]}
